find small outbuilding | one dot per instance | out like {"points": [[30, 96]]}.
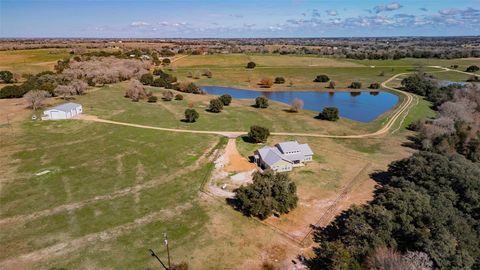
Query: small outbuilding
{"points": [[64, 111]]}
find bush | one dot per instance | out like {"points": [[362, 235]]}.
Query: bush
{"points": [[152, 99], [178, 97], [279, 80], [472, 68], [331, 85], [251, 65], [355, 85], [269, 193], [216, 105], [266, 83], [191, 115], [146, 79], [12, 91], [207, 73], [6, 76], [167, 96], [226, 99], [329, 113], [261, 102], [190, 88], [258, 134], [374, 85], [322, 78]]}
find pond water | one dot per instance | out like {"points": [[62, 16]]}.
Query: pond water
{"points": [[359, 106]]}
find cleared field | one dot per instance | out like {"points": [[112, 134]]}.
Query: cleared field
{"points": [[463, 63], [30, 61]]}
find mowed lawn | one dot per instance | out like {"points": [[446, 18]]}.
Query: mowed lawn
{"points": [[87, 160], [110, 103], [31, 61]]}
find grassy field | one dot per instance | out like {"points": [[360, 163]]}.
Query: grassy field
{"points": [[30, 61], [109, 103], [111, 191]]}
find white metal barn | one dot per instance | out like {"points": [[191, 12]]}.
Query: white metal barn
{"points": [[64, 111]]}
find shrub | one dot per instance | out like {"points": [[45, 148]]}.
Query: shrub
{"points": [[178, 97], [322, 78], [355, 85], [207, 73], [374, 85], [167, 95], [191, 115], [279, 80], [331, 85], [297, 104], [216, 105], [146, 79], [12, 91], [6, 76], [266, 83], [261, 102], [226, 99], [152, 99], [473, 78], [472, 68], [258, 134], [190, 88], [251, 65], [269, 193], [329, 113]]}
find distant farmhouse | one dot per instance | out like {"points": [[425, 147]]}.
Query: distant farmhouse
{"points": [[64, 111], [283, 156]]}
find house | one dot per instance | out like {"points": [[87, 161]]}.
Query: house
{"points": [[283, 156], [64, 111]]}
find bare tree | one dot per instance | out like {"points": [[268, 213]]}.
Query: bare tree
{"points": [[385, 259], [36, 98], [135, 90], [297, 104], [79, 87], [417, 260], [64, 91]]}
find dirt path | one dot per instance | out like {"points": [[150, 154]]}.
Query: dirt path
{"points": [[63, 248], [236, 162]]}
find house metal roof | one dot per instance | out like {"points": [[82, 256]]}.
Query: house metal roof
{"points": [[271, 155], [66, 107]]}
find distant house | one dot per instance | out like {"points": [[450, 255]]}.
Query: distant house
{"points": [[283, 157], [64, 111]]}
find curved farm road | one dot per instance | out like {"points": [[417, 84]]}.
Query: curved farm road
{"points": [[397, 114]]}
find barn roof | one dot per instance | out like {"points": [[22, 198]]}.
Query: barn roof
{"points": [[66, 107]]}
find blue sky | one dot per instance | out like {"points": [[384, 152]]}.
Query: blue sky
{"points": [[246, 18]]}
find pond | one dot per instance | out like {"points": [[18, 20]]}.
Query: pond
{"points": [[359, 106]]}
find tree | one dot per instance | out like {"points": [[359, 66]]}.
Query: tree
{"points": [[190, 88], [251, 65], [167, 95], [207, 73], [146, 79], [216, 105], [135, 90], [374, 85], [355, 85], [13, 91], [178, 97], [279, 80], [258, 134], [261, 102], [297, 104], [332, 85], [226, 99], [6, 76], [266, 83], [152, 99], [79, 87], [420, 84], [322, 78], [191, 115], [269, 193], [329, 113], [65, 91], [35, 98], [166, 61], [472, 68]]}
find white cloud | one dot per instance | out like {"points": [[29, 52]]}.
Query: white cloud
{"points": [[331, 12], [387, 7], [139, 24]]}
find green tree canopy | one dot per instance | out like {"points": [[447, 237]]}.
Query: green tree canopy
{"points": [[261, 102], [258, 134]]}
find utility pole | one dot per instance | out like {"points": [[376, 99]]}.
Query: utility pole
{"points": [[158, 259], [168, 250]]}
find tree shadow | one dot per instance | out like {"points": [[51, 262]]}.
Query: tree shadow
{"points": [[289, 111], [247, 139]]}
